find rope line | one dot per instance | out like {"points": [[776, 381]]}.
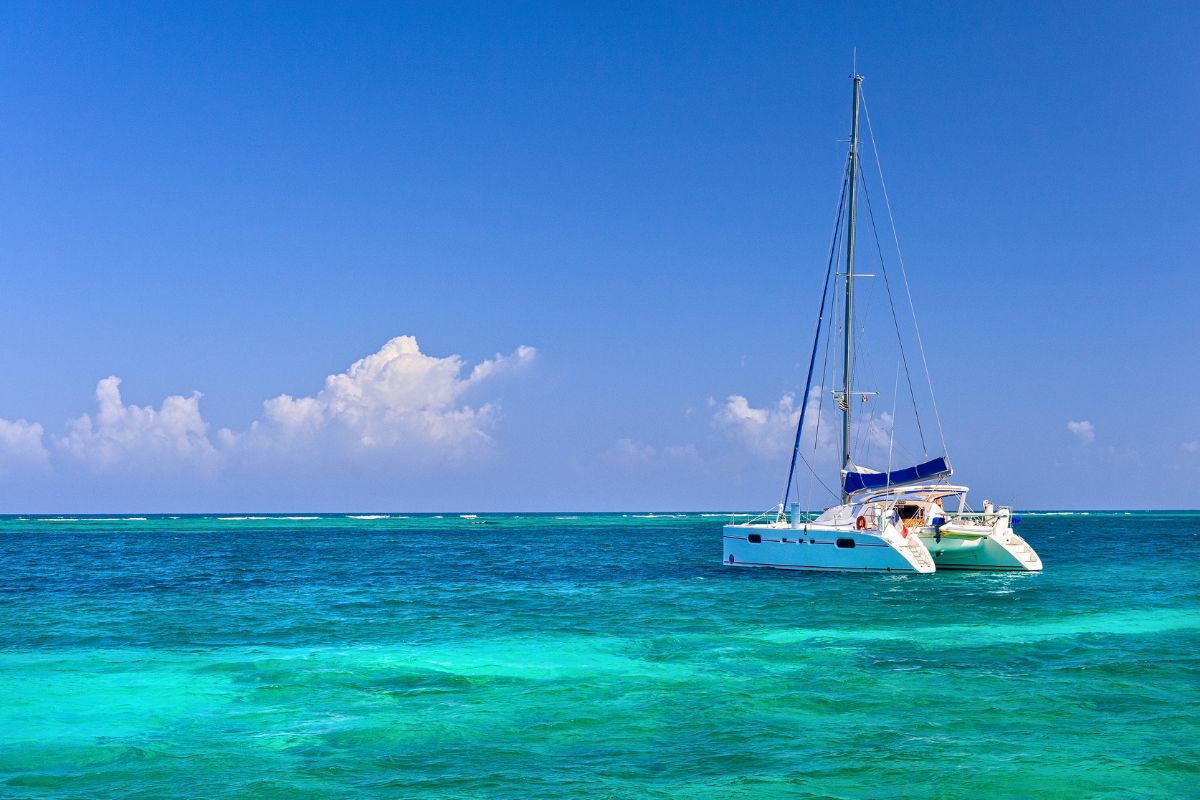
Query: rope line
{"points": [[824, 485], [787, 489], [895, 321], [833, 314], [904, 273]]}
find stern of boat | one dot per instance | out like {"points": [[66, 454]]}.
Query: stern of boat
{"points": [[977, 545]]}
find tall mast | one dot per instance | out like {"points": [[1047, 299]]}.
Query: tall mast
{"points": [[847, 349]]}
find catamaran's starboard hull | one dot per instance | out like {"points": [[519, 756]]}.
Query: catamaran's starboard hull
{"points": [[822, 549], [979, 548]]}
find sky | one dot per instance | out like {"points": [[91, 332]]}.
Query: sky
{"points": [[504, 257]]}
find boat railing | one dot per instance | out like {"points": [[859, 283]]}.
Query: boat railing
{"points": [[988, 518], [875, 514], [774, 514]]}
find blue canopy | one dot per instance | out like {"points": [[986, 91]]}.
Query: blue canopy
{"points": [[858, 481]]}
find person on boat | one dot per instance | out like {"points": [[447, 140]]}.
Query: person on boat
{"points": [[937, 513]]}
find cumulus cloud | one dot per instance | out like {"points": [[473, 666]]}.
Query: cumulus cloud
{"points": [[21, 447], [397, 400], [1083, 430], [395, 397], [878, 429], [770, 431], [121, 435], [762, 431]]}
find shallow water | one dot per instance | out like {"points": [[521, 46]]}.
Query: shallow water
{"points": [[576, 655]]}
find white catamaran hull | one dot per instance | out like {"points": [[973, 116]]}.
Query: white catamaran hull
{"points": [[811, 547], [978, 547]]}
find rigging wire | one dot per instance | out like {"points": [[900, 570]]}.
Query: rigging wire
{"points": [[815, 475], [904, 273], [892, 437], [895, 321], [787, 488], [833, 314], [836, 327], [863, 365]]}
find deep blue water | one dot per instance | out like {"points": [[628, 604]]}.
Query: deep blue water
{"points": [[586, 656]]}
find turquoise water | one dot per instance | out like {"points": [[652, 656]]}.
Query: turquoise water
{"points": [[585, 656]]}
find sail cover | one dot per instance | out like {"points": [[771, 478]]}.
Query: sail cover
{"points": [[858, 481]]}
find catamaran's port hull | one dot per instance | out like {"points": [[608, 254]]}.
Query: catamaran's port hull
{"points": [[810, 548]]}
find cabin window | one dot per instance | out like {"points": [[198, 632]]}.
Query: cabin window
{"points": [[845, 543], [755, 538]]}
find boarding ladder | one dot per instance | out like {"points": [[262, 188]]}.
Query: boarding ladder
{"points": [[1021, 550], [919, 553]]}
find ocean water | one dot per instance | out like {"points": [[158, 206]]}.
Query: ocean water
{"points": [[585, 656]]}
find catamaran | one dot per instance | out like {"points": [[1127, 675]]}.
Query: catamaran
{"points": [[891, 520]]}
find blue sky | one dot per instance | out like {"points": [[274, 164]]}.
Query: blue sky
{"points": [[621, 212]]}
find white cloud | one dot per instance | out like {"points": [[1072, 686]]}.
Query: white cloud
{"points": [[878, 429], [762, 431], [769, 432], [120, 435], [1190, 447], [398, 400], [396, 397], [1083, 430], [21, 447]]}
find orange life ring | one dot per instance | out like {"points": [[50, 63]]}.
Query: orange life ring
{"points": [[860, 523]]}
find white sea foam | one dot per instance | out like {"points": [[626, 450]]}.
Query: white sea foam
{"points": [[566, 517], [1054, 513], [93, 519], [239, 519], [368, 516], [469, 516], [298, 518]]}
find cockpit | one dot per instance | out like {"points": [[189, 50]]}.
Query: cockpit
{"points": [[911, 514]]}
